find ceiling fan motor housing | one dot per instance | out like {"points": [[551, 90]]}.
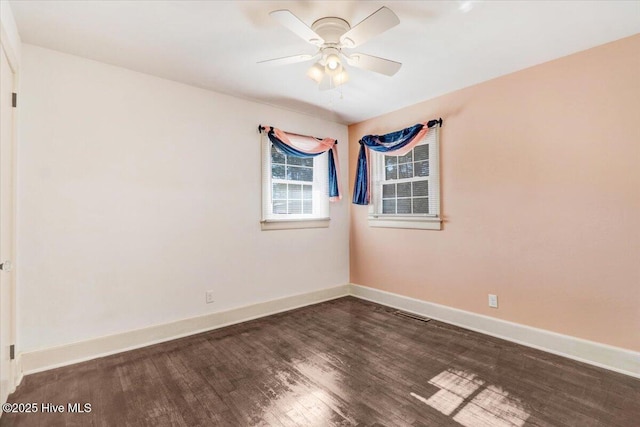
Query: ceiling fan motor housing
{"points": [[330, 29]]}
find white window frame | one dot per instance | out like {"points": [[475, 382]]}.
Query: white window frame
{"points": [[430, 221], [320, 216]]}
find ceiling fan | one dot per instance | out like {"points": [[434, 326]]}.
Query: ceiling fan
{"points": [[331, 35]]}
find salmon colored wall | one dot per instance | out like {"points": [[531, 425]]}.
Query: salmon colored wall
{"points": [[540, 195]]}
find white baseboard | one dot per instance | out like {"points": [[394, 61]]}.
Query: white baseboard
{"points": [[54, 357], [601, 355], [17, 374]]}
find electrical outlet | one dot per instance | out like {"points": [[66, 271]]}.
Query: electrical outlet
{"points": [[209, 297], [493, 301]]}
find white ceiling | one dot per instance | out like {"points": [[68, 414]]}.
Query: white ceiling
{"points": [[216, 44]]}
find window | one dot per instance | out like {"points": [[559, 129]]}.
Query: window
{"points": [[406, 189], [295, 190]]}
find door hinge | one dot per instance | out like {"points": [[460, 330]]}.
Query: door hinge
{"points": [[12, 351], [14, 99]]}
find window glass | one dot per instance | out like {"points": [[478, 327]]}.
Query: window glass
{"points": [[294, 187], [407, 186]]}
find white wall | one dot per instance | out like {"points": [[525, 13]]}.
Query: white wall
{"points": [[9, 30], [138, 194]]}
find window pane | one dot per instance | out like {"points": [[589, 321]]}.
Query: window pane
{"points": [[391, 172], [307, 207], [404, 189], [307, 174], [389, 206], [405, 171], [390, 160], [295, 206], [420, 188], [422, 168], [299, 161], [307, 192], [279, 207], [295, 191], [277, 171], [276, 156], [420, 205], [404, 206], [296, 161], [388, 191], [295, 173], [407, 158], [421, 152], [292, 186], [279, 191]]}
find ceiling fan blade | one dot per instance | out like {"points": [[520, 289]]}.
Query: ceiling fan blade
{"points": [[373, 63], [288, 59], [293, 23], [378, 22]]}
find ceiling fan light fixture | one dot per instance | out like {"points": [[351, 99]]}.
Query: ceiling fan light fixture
{"points": [[332, 62], [340, 78], [316, 72], [333, 68]]}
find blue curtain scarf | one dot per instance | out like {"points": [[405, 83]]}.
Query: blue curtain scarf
{"points": [[382, 143], [290, 151]]}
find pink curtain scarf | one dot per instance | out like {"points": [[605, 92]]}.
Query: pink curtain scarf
{"points": [[415, 141]]}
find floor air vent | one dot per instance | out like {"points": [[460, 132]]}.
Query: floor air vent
{"points": [[411, 316]]}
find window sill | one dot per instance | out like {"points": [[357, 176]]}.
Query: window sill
{"points": [[287, 224], [406, 222]]}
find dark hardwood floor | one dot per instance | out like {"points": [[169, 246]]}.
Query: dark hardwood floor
{"points": [[344, 362]]}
